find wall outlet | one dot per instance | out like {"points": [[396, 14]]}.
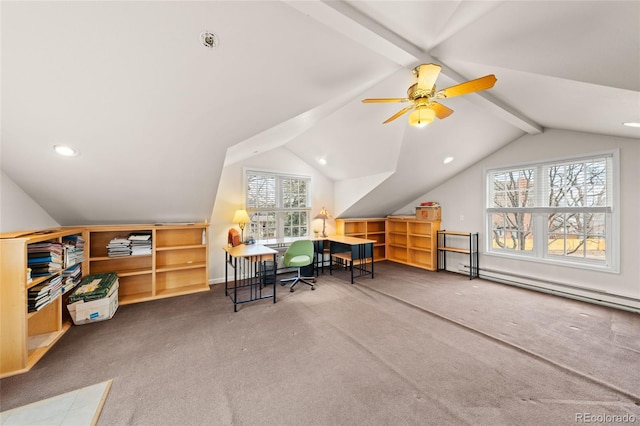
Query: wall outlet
{"points": [[461, 218]]}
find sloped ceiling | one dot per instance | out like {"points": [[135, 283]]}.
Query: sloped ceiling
{"points": [[156, 115]]}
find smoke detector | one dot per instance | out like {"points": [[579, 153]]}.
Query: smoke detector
{"points": [[209, 40]]}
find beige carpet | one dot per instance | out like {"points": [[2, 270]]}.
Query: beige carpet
{"points": [[410, 347]]}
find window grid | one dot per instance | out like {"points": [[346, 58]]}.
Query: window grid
{"points": [[568, 204], [278, 205]]}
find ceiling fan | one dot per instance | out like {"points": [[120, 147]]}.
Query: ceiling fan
{"points": [[422, 95]]}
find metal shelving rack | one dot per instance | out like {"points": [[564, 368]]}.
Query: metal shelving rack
{"points": [[472, 250]]}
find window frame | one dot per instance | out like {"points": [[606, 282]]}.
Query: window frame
{"points": [[279, 210], [540, 214]]}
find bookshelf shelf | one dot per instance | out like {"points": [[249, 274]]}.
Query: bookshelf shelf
{"points": [[194, 265], [134, 272], [181, 247], [39, 280]]}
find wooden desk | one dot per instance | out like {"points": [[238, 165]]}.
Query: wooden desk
{"points": [[358, 252], [250, 274]]}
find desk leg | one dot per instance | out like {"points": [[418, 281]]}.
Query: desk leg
{"points": [[235, 285], [275, 277], [372, 260], [226, 274], [351, 267]]}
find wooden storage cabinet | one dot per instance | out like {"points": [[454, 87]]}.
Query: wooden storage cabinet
{"points": [[135, 273], [26, 336], [397, 241], [412, 242], [181, 261], [369, 228], [178, 263]]}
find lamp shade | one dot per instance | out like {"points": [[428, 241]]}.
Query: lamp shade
{"points": [[324, 214], [241, 216], [421, 116]]}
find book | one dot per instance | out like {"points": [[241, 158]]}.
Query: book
{"points": [[93, 287]]}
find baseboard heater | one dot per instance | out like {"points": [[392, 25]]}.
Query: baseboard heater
{"points": [[562, 289]]}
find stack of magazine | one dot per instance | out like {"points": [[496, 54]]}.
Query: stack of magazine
{"points": [[73, 250], [44, 258], [140, 243], [119, 247], [40, 295], [71, 277]]}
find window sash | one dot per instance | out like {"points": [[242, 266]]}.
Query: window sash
{"points": [[570, 206], [282, 210]]}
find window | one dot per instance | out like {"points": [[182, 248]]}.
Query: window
{"points": [[278, 205], [556, 212]]}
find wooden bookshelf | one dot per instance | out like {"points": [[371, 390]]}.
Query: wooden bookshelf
{"points": [[412, 242], [368, 228], [178, 263], [26, 336]]}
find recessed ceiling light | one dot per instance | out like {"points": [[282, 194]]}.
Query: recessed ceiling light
{"points": [[447, 160], [631, 124], [66, 151], [322, 161]]}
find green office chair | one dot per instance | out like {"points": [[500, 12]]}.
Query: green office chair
{"points": [[298, 255]]}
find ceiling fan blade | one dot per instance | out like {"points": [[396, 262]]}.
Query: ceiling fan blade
{"points": [[374, 100], [427, 75], [398, 114], [441, 110], [482, 83]]}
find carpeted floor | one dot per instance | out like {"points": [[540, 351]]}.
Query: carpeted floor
{"points": [[410, 347]]}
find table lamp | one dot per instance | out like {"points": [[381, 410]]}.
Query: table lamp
{"points": [[324, 215], [241, 218]]}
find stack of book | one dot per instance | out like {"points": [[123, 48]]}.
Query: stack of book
{"points": [[73, 250], [71, 277], [140, 243], [44, 258], [118, 247], [40, 295]]}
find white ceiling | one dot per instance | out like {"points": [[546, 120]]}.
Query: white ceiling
{"points": [[156, 115]]}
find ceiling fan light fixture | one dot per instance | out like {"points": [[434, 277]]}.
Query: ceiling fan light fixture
{"points": [[421, 116]]}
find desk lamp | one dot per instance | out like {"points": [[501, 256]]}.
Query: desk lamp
{"points": [[241, 218], [324, 215]]}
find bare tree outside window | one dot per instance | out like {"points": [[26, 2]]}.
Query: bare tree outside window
{"points": [[559, 210], [278, 205], [577, 234], [513, 189]]}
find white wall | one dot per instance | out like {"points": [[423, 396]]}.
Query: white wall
{"points": [[230, 197], [18, 212], [462, 200]]}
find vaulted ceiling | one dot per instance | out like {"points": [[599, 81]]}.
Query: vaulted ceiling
{"points": [[156, 115]]}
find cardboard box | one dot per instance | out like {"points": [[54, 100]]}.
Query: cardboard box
{"points": [[428, 213], [96, 310]]}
